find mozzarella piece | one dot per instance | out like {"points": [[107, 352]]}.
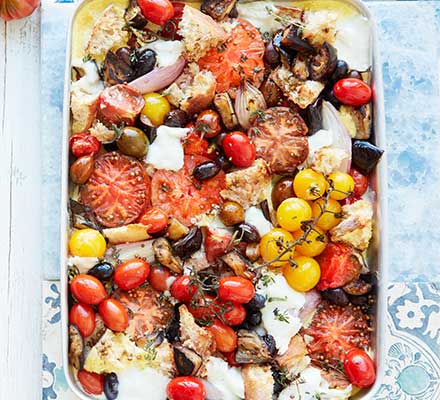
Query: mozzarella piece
{"points": [[166, 152], [90, 82], [167, 51], [227, 380], [260, 14], [254, 216], [135, 384], [283, 301], [311, 386]]}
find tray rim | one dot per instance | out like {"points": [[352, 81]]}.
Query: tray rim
{"points": [[381, 205]]}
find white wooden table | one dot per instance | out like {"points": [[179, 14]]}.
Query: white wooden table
{"points": [[20, 236]]}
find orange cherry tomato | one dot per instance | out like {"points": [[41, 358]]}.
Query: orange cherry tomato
{"points": [[236, 289], [158, 278], [131, 274], [87, 289], [155, 219], [92, 383], [114, 315], [224, 336], [83, 317], [359, 368], [186, 388]]}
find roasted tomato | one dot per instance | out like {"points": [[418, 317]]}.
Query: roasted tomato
{"points": [[359, 368], [339, 266], [352, 92], [157, 11], [154, 219], [236, 315], [279, 136], [236, 289], [117, 191], [216, 244], [205, 308], [170, 28], [114, 315], [336, 330], [182, 289], [208, 124], [120, 104], [92, 383], [225, 337], [186, 388], [87, 289], [178, 195], [158, 278], [131, 274], [83, 317], [239, 149], [84, 144], [360, 182], [240, 57], [194, 145]]}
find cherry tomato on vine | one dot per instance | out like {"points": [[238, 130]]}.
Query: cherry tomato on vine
{"points": [[114, 315], [87, 289], [155, 219], [292, 213], [158, 278], [236, 315], [343, 185], [157, 11], [309, 185], [305, 276], [131, 274], [273, 244], [360, 182], [91, 382], [352, 92], [239, 149], [224, 336], [208, 124], [236, 289], [182, 289], [359, 368], [186, 388], [83, 317], [314, 243], [331, 213], [84, 144], [171, 27]]}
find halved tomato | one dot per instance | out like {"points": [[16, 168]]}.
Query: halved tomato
{"points": [[240, 57], [194, 145], [216, 244], [117, 191], [180, 196]]}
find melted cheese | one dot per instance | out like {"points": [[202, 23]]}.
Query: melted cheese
{"points": [[227, 380], [167, 51], [280, 314], [254, 216], [90, 82], [143, 384], [166, 152], [257, 14], [311, 386]]}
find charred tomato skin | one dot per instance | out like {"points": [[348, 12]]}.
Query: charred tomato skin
{"points": [[186, 388], [359, 368]]}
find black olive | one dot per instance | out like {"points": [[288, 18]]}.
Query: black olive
{"points": [[112, 146], [328, 95], [102, 271], [206, 170], [176, 119], [124, 53], [189, 244], [257, 302], [223, 161], [111, 386], [143, 62], [323, 64], [278, 385], [144, 124], [359, 300], [340, 72], [314, 117], [335, 296], [271, 56], [365, 156], [270, 343], [248, 233], [354, 74], [264, 205], [172, 331], [286, 55], [253, 318]]}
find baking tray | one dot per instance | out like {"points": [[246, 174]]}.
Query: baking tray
{"points": [[378, 252]]}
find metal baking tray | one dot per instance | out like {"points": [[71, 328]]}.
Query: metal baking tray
{"points": [[378, 251]]}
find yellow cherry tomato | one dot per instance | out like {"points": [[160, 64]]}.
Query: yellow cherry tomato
{"points": [[87, 243], [292, 212], [314, 244], [343, 185], [274, 243], [309, 185], [331, 216], [156, 108], [305, 276]]}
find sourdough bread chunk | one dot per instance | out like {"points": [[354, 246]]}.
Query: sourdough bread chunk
{"points": [[258, 382], [102, 133], [199, 32], [327, 160], [108, 33], [193, 91]]}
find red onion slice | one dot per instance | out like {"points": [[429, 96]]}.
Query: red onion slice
{"points": [[159, 78]]}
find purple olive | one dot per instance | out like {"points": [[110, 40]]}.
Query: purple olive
{"points": [[271, 56], [336, 296], [206, 170]]}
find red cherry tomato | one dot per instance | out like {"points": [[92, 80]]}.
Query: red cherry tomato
{"points": [[206, 308], [230, 358], [236, 289], [360, 182], [182, 289], [225, 337], [352, 92], [359, 368], [157, 11], [208, 124], [131, 274], [92, 383], [155, 220], [158, 278], [87, 289], [170, 28], [194, 145], [239, 149], [114, 315], [84, 144], [236, 315], [83, 317], [186, 388]]}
